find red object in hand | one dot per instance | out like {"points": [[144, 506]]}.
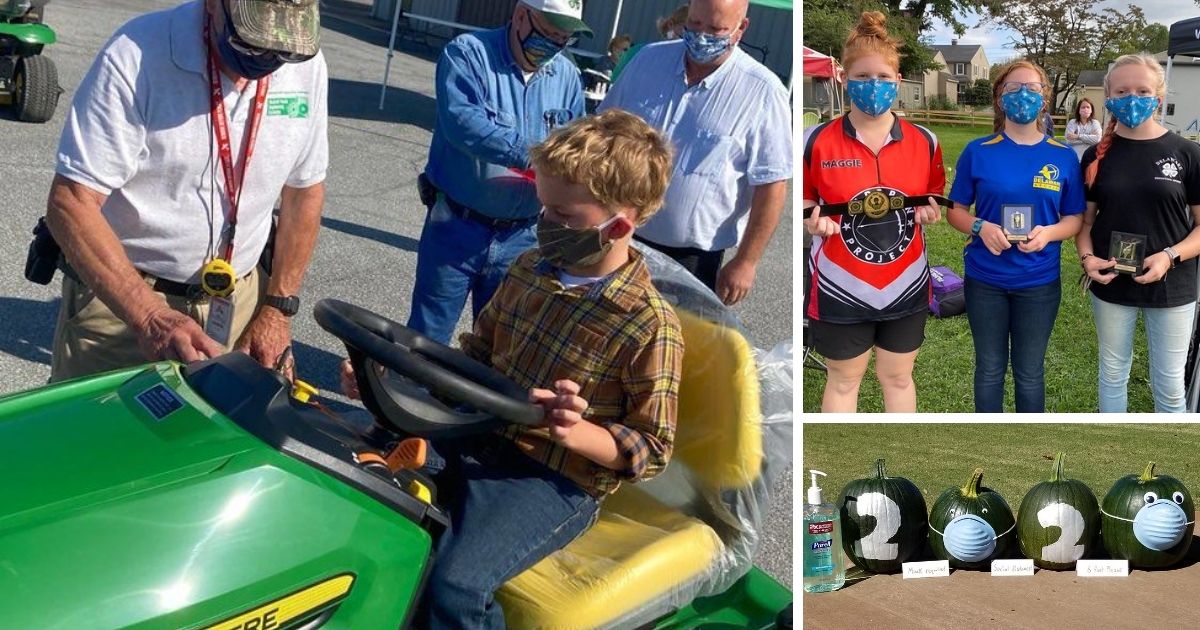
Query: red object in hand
{"points": [[525, 173]]}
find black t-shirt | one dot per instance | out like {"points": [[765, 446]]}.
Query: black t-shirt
{"points": [[1145, 187]]}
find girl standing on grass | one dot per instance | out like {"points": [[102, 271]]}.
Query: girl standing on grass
{"points": [[1083, 130], [1145, 181], [1023, 183], [869, 277]]}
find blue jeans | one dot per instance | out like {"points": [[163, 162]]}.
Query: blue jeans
{"points": [[457, 256], [507, 512], [1168, 333], [1016, 323]]}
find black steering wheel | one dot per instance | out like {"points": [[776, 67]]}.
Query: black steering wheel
{"points": [[419, 386]]}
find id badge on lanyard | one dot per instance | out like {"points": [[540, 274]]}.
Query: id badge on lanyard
{"points": [[218, 278]]}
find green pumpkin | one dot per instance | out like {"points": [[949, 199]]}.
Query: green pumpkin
{"points": [[971, 526], [1058, 521], [1148, 520], [883, 521]]}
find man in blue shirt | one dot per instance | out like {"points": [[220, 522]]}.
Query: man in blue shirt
{"points": [[499, 92]]}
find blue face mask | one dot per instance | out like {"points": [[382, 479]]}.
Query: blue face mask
{"points": [[1022, 106], [252, 67], [1160, 525], [1132, 110], [539, 49], [969, 538], [873, 96], [703, 48]]}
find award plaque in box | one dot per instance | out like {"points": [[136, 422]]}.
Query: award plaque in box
{"points": [[1129, 250]]}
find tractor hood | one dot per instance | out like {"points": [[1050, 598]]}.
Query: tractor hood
{"points": [[87, 442], [203, 498]]}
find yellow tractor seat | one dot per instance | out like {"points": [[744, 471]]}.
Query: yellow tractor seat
{"points": [[639, 550]]}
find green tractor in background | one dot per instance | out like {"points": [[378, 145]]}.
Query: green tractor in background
{"points": [[28, 80]]}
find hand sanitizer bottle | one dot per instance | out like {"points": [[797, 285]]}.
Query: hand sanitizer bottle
{"points": [[824, 562]]}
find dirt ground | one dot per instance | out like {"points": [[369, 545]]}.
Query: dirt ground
{"points": [[1048, 599]]}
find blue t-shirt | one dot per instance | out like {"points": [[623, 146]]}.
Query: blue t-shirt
{"points": [[994, 171]]}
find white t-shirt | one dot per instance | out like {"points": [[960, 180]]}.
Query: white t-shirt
{"points": [[731, 132], [139, 131]]}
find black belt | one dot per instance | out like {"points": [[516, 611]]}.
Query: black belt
{"points": [[478, 217], [161, 285], [876, 204]]}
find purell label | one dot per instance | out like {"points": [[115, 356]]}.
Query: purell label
{"points": [[818, 545], [823, 527]]}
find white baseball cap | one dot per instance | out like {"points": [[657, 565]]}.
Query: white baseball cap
{"points": [[565, 15]]}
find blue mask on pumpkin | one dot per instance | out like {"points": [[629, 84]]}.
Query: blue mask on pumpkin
{"points": [[1160, 525], [1022, 106], [970, 538], [704, 48], [873, 96], [1132, 110]]}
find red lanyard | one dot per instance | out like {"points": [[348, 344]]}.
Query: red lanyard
{"points": [[233, 182]]}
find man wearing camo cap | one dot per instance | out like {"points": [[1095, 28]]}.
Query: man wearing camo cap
{"points": [[190, 124]]}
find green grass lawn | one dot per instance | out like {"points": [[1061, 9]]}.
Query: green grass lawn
{"points": [[946, 363], [1014, 457]]}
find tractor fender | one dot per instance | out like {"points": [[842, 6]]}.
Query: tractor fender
{"points": [[29, 33]]}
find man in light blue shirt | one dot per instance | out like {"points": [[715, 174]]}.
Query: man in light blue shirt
{"points": [[729, 120], [499, 92]]}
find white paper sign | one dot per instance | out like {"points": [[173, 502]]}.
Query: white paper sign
{"points": [[931, 568], [1022, 566], [1102, 568]]}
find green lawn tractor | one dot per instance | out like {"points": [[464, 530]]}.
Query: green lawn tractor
{"points": [[28, 79], [218, 495]]}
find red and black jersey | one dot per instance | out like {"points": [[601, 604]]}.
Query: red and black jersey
{"points": [[874, 269]]}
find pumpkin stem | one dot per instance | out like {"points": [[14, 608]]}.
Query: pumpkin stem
{"points": [[971, 490], [1057, 475], [879, 469], [1148, 473]]}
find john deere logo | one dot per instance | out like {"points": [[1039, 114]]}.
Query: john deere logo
{"points": [[290, 105], [574, 4]]}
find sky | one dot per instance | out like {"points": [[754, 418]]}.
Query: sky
{"points": [[995, 40]]}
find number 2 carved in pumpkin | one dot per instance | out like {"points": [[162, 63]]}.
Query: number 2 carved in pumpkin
{"points": [[1070, 521], [875, 546]]}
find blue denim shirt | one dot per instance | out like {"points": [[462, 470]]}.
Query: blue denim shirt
{"points": [[488, 118]]}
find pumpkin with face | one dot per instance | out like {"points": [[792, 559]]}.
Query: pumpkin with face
{"points": [[971, 526], [1148, 519]]}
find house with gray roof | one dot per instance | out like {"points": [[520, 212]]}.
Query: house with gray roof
{"points": [[964, 62]]}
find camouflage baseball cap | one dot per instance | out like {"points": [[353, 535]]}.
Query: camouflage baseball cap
{"points": [[290, 26]]}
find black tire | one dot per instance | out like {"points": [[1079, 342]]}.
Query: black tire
{"points": [[37, 89]]}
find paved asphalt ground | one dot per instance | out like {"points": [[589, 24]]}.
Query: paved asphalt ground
{"points": [[372, 219]]}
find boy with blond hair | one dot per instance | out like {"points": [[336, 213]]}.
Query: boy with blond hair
{"points": [[577, 323]]}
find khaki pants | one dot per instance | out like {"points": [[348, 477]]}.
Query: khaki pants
{"points": [[89, 338]]}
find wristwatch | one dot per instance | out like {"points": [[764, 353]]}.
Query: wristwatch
{"points": [[976, 226], [288, 305], [1170, 251]]}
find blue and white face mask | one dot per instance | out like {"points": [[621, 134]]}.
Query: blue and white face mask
{"points": [[1022, 106], [1160, 524], [970, 538], [1132, 110], [873, 96], [703, 48]]}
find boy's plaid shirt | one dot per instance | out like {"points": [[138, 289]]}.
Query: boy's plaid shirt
{"points": [[618, 338]]}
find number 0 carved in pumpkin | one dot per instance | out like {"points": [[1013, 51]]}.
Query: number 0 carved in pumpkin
{"points": [[875, 545], [1070, 521]]}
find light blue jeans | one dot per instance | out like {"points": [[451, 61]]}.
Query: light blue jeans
{"points": [[1168, 334]]}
